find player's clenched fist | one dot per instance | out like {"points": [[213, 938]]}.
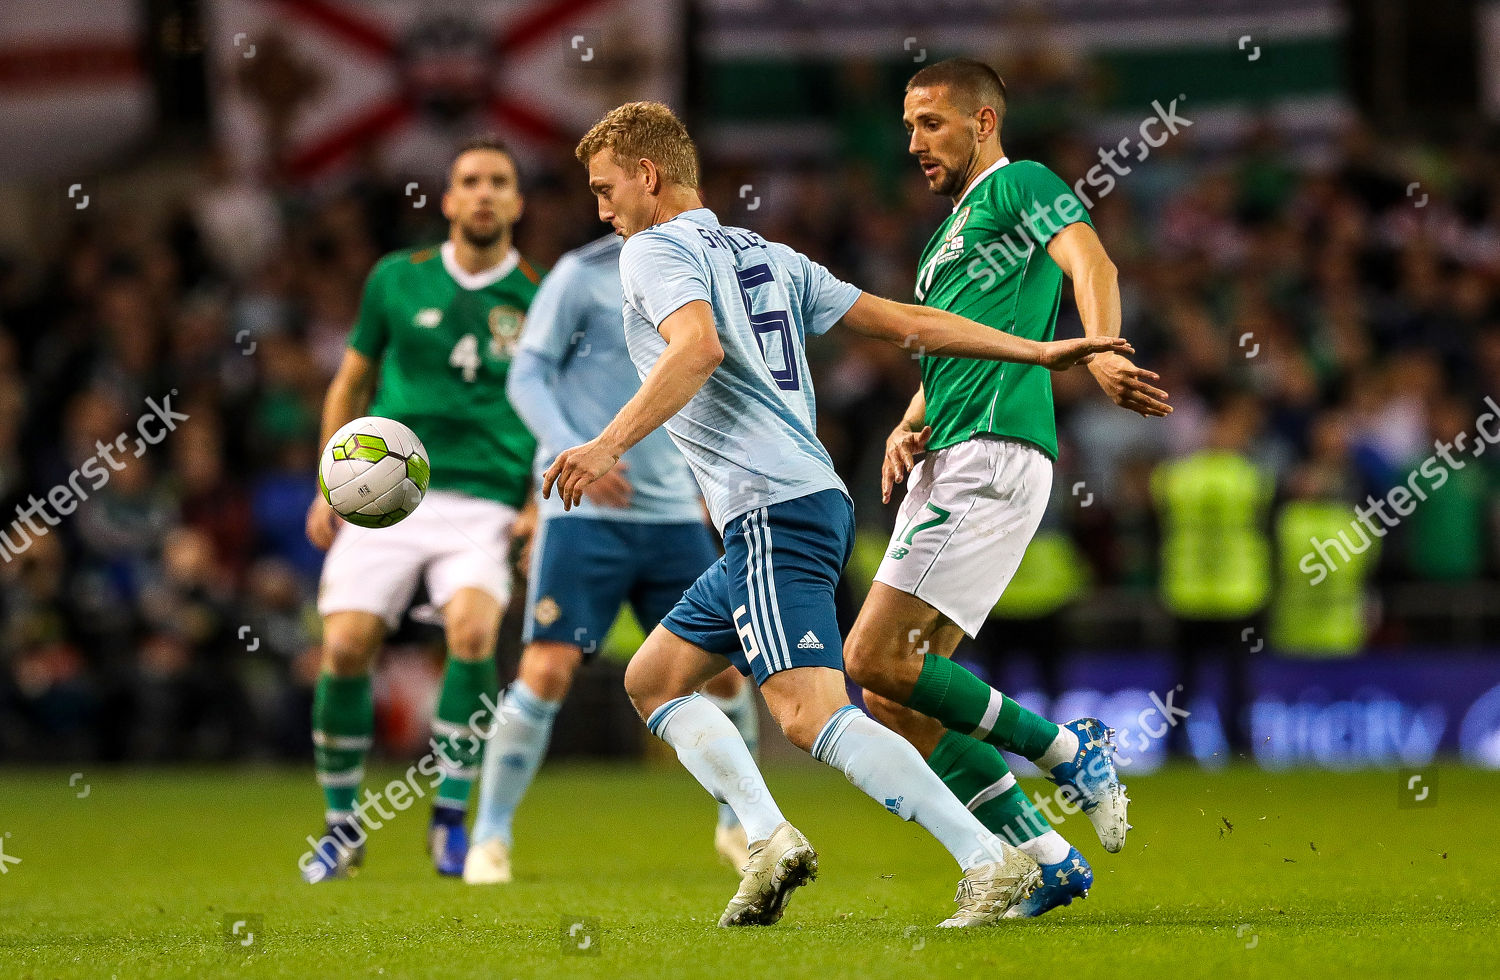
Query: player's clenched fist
{"points": [[902, 448], [576, 468]]}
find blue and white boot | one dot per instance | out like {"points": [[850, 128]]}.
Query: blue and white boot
{"points": [[1092, 777], [1062, 882], [448, 841]]}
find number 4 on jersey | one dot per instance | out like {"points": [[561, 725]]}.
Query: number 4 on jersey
{"points": [[465, 357]]}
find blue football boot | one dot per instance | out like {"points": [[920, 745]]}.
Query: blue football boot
{"points": [[1092, 777], [448, 841], [1062, 882]]}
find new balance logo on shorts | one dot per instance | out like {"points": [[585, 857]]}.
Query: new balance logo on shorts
{"points": [[809, 642]]}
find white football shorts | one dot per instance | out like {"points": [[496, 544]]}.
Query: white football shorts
{"points": [[969, 512], [455, 540]]}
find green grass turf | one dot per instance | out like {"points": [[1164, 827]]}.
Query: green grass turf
{"points": [[1322, 874]]}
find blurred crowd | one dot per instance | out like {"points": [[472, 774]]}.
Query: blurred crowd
{"points": [[1319, 318]]}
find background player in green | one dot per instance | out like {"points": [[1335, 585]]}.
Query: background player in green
{"points": [[987, 438], [431, 348]]}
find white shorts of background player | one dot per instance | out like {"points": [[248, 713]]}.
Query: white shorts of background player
{"points": [[454, 540]]}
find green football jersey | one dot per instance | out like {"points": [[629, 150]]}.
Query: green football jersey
{"points": [[444, 350], [988, 262]]}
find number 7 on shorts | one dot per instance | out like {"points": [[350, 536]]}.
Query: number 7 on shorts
{"points": [[913, 528]]}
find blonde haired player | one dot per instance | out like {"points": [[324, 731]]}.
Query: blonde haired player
{"points": [[432, 348], [716, 319]]}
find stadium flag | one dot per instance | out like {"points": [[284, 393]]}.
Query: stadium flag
{"points": [[73, 90], [301, 88]]}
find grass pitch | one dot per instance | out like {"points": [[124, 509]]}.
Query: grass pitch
{"points": [[1321, 874]]}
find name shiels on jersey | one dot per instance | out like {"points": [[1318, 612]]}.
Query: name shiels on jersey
{"points": [[736, 240], [952, 248]]}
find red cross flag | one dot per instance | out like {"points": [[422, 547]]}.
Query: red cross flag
{"points": [[304, 87], [73, 92]]}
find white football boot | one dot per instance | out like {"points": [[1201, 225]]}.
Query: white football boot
{"points": [[990, 890], [777, 866], [488, 863]]}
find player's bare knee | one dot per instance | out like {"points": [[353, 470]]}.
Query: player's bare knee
{"points": [[867, 658], [471, 637], [349, 653], [653, 677], [857, 664], [800, 727], [800, 717], [548, 668], [643, 685]]}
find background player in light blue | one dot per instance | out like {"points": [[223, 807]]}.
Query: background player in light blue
{"points": [[638, 535], [716, 319]]}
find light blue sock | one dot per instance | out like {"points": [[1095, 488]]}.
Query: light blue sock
{"points": [[512, 756], [714, 752], [892, 773], [740, 709]]}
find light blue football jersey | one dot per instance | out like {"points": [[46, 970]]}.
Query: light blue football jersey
{"points": [[750, 434], [582, 377]]}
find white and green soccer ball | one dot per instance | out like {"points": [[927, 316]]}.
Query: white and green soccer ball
{"points": [[374, 471]]}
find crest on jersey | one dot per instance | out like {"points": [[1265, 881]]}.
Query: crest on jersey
{"points": [[428, 318], [505, 330], [958, 224], [546, 611]]}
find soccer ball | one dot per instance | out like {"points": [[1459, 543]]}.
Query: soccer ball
{"points": [[374, 471]]}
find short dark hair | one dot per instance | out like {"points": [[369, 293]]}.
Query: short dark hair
{"points": [[971, 84], [485, 141]]}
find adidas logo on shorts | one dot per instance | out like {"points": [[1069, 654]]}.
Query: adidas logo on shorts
{"points": [[809, 642]]}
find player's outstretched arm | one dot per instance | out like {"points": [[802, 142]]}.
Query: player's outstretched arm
{"points": [[349, 396], [938, 333], [693, 352], [1096, 288]]}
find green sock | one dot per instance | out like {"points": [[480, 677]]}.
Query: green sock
{"points": [[963, 703], [975, 770], [343, 723], [465, 686]]}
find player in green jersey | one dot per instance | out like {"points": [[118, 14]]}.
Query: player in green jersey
{"points": [[431, 348], [978, 442]]}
